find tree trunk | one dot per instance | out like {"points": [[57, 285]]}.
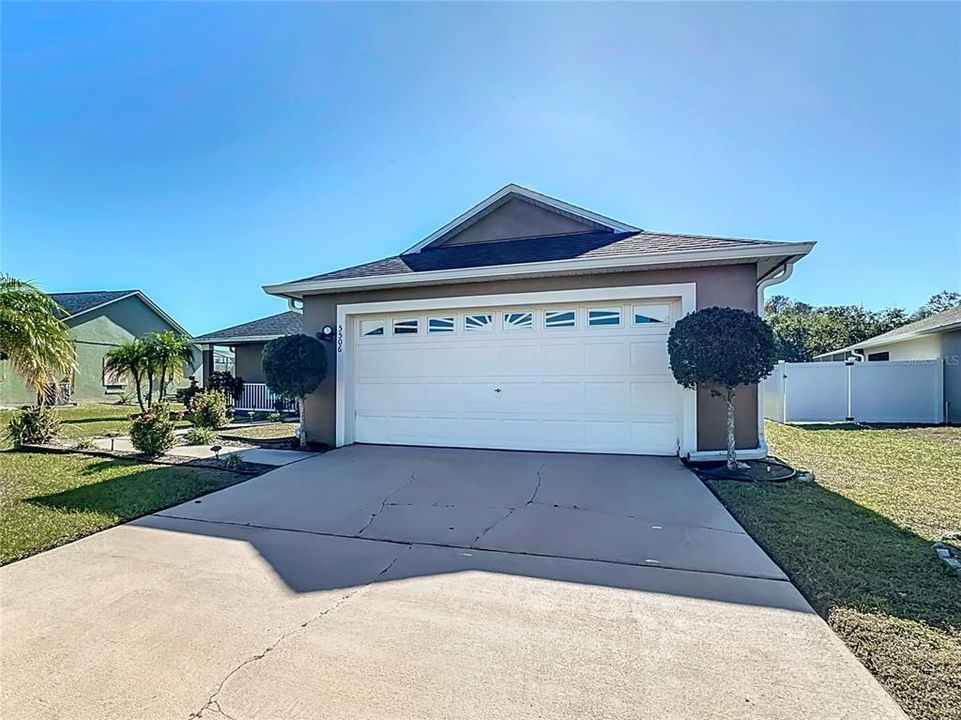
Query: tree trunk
{"points": [[731, 455], [149, 390], [138, 379]]}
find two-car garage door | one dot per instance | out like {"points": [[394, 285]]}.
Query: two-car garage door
{"points": [[590, 377]]}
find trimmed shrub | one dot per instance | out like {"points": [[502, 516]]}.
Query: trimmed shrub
{"points": [[200, 436], [153, 432], [209, 410], [294, 365], [275, 417], [229, 386], [33, 425]]}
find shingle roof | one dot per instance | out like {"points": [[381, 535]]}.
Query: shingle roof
{"points": [[285, 323], [932, 323], [78, 302], [541, 249]]}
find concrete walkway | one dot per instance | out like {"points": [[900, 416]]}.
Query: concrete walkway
{"points": [[261, 456], [379, 582]]}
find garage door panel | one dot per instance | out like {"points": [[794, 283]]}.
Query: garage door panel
{"points": [[582, 388]]}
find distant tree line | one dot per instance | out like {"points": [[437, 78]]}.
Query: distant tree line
{"points": [[802, 331]]}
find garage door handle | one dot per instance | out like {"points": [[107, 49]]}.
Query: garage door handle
{"points": [[497, 390]]}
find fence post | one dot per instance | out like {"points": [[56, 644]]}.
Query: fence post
{"points": [[850, 386], [784, 394]]}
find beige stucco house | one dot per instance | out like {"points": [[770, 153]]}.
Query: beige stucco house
{"points": [[529, 323], [934, 338]]}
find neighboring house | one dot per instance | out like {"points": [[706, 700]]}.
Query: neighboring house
{"points": [[246, 345], [935, 337], [98, 322], [531, 324]]}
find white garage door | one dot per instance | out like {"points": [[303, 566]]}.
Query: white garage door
{"points": [[576, 377]]}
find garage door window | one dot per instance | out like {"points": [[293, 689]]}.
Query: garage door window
{"points": [[371, 327], [407, 326], [604, 317], [560, 319], [646, 314], [440, 325], [478, 323], [518, 321]]}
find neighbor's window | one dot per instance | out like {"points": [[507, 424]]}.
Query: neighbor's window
{"points": [[645, 314], [407, 326], [874, 357], [111, 380], [371, 327], [440, 325], [598, 317], [518, 320], [478, 323], [560, 319]]}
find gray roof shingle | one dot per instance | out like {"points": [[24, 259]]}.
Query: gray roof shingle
{"points": [[78, 302], [541, 249], [285, 323], [932, 323]]}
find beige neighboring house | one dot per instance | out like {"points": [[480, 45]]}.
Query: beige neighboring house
{"points": [[936, 337], [529, 323]]}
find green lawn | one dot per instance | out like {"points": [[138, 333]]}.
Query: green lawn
{"points": [[857, 542], [93, 420], [49, 499], [271, 431]]}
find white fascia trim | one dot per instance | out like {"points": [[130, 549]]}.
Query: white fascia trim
{"points": [[498, 272], [687, 292], [513, 189]]}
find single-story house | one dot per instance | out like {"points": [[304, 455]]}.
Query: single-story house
{"points": [[98, 322], [245, 344], [529, 323], [936, 337]]}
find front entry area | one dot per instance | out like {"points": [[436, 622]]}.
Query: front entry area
{"points": [[575, 376]]}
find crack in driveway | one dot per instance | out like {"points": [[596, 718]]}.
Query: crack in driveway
{"points": [[512, 510], [386, 502], [213, 704]]}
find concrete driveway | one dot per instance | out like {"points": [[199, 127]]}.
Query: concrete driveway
{"points": [[385, 582]]}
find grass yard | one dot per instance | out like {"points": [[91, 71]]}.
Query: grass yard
{"points": [[271, 431], [92, 420], [857, 542], [49, 499]]}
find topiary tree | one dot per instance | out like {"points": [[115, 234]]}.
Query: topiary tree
{"points": [[294, 365], [720, 349]]}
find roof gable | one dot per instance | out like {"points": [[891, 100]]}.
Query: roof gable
{"points": [[513, 213], [75, 303], [285, 323]]}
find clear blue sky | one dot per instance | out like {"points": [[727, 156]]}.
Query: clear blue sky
{"points": [[200, 151]]}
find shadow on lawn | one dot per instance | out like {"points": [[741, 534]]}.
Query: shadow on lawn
{"points": [[136, 493], [841, 554]]}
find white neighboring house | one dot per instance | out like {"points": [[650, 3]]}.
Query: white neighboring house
{"points": [[935, 337]]}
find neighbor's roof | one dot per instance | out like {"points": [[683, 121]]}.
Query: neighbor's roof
{"points": [[268, 328], [78, 302], [932, 324]]}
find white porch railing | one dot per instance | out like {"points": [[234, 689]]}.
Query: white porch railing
{"points": [[257, 396]]}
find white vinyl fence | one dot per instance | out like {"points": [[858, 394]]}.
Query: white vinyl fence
{"points": [[257, 396], [872, 392]]}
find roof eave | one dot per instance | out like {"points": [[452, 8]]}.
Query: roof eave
{"points": [[236, 340], [901, 337], [792, 251]]}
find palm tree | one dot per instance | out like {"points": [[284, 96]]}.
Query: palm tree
{"points": [[33, 338], [129, 359], [167, 353]]}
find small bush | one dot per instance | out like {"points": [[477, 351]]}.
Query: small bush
{"points": [[275, 417], [33, 425], [84, 443], [231, 387], [126, 397], [200, 436], [208, 410], [153, 432], [186, 395]]}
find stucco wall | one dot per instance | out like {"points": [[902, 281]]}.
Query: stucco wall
{"points": [[247, 362], [951, 352], [726, 286], [94, 334], [517, 219], [925, 347]]}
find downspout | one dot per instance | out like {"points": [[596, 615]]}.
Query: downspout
{"points": [[766, 282]]}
